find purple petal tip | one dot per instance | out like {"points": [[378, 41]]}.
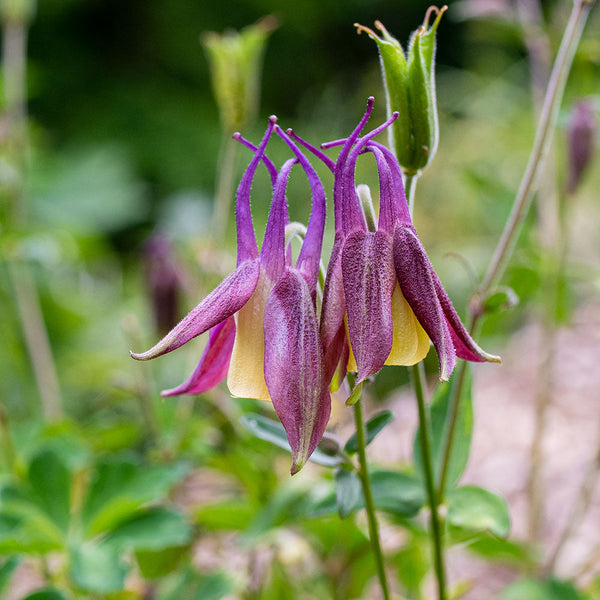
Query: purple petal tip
{"points": [[236, 136], [273, 119]]}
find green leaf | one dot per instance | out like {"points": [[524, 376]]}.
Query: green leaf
{"points": [[372, 427], [273, 432], [50, 481], [34, 535], [462, 435], [6, 571], [45, 594], [412, 564], [97, 568], [154, 565], [503, 298], [348, 491], [476, 509], [552, 589], [120, 487], [499, 550], [154, 529], [283, 506], [232, 515], [396, 493], [193, 586]]}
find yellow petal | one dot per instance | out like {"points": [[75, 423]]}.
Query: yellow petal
{"points": [[246, 376], [351, 360], [410, 342]]}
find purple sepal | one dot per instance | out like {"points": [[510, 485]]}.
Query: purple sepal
{"points": [[431, 305], [369, 281], [294, 365], [416, 278], [334, 306], [213, 365], [225, 300]]}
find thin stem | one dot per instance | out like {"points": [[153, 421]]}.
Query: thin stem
{"points": [[365, 481], [410, 185], [541, 146], [224, 190], [14, 65], [425, 443], [36, 339], [454, 407], [542, 143], [580, 508]]}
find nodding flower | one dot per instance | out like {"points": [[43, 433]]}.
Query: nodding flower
{"points": [[262, 319], [381, 292]]}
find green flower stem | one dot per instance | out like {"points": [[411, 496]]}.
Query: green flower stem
{"points": [[454, 401], [365, 481], [541, 147], [418, 378], [542, 143], [225, 182], [410, 185], [432, 498]]}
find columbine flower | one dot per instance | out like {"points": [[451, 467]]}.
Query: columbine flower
{"points": [[262, 318], [380, 284]]}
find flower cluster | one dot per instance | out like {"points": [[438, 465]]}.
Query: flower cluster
{"points": [[382, 300]]}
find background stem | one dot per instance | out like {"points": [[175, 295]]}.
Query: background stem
{"points": [[543, 139], [14, 54], [224, 190], [542, 143]]}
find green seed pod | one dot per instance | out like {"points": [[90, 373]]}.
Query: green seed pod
{"points": [[236, 62], [409, 82]]}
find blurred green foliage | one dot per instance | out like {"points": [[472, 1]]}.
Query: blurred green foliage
{"points": [[124, 137]]}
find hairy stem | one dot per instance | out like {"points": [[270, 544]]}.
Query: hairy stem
{"points": [[432, 498], [365, 481]]}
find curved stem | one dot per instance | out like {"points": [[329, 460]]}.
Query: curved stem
{"points": [[541, 146], [543, 140], [365, 481], [432, 498]]}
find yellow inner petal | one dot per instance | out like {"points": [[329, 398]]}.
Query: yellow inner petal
{"points": [[410, 343], [246, 376]]}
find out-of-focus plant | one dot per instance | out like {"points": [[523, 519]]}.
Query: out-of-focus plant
{"points": [[96, 518], [236, 67]]}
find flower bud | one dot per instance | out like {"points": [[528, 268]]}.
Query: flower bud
{"points": [[581, 132], [163, 280], [17, 11], [409, 82], [235, 62]]}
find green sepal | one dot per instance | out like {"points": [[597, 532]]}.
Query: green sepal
{"points": [[409, 82]]}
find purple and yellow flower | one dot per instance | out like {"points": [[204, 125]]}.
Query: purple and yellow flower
{"points": [[264, 329], [381, 287]]}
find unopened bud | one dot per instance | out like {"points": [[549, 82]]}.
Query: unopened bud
{"points": [[581, 134], [163, 280], [409, 82], [236, 62]]}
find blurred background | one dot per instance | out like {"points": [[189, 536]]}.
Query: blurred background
{"points": [[113, 216]]}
